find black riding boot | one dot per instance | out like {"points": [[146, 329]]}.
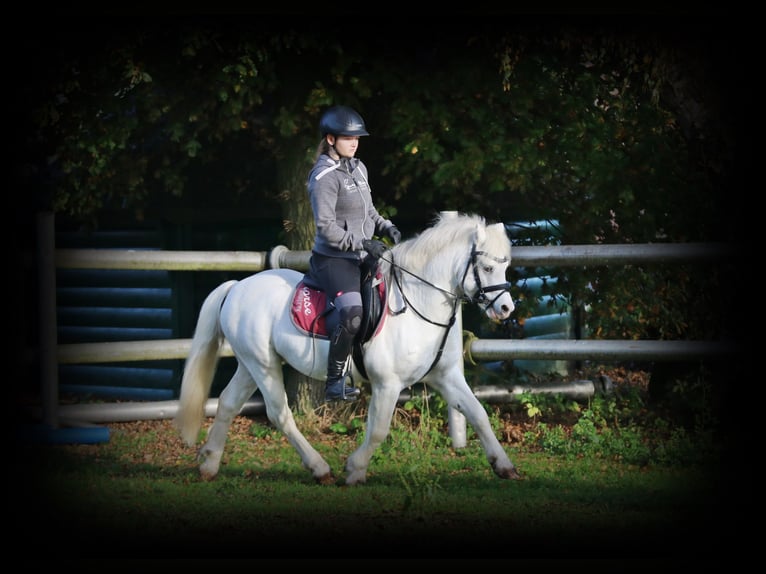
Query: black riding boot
{"points": [[340, 348]]}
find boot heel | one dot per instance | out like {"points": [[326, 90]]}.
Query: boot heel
{"points": [[337, 390]]}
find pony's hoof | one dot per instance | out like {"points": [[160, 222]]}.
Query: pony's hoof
{"points": [[210, 462], [509, 474], [325, 479], [207, 476], [357, 477]]}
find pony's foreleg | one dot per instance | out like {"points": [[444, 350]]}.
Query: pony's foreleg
{"points": [[459, 395], [240, 388], [380, 413]]}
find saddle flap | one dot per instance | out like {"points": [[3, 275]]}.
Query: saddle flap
{"points": [[308, 310]]}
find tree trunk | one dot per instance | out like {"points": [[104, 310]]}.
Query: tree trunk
{"points": [[303, 393], [298, 221]]}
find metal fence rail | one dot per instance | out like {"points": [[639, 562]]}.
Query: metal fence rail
{"points": [[477, 349]]}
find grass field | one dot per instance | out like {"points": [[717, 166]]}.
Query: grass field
{"points": [[139, 495]]}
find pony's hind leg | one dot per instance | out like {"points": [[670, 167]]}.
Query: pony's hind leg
{"points": [[240, 388]]}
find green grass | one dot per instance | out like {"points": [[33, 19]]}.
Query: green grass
{"points": [[433, 502], [604, 479]]}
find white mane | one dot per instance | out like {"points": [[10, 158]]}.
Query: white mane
{"points": [[448, 232]]}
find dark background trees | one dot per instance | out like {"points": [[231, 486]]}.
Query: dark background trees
{"points": [[619, 129]]}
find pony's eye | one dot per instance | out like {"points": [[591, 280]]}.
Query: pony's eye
{"points": [[488, 269]]}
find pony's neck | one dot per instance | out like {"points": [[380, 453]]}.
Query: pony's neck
{"points": [[433, 279]]}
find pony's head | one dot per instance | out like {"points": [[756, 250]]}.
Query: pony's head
{"points": [[480, 254], [484, 280]]}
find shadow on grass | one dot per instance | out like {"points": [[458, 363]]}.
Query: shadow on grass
{"points": [[109, 508]]}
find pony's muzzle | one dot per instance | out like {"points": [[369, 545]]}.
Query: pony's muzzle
{"points": [[500, 308]]}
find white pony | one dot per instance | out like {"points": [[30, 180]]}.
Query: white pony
{"points": [[426, 278]]}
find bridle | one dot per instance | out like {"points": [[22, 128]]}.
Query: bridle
{"points": [[479, 297]]}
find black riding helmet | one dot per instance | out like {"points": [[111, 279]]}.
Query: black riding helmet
{"points": [[342, 121]]}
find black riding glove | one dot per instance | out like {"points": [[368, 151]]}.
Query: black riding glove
{"points": [[394, 234], [374, 247]]}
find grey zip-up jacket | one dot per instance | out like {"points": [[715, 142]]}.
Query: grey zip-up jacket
{"points": [[344, 214]]}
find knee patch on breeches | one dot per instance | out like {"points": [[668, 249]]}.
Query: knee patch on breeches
{"points": [[349, 306], [351, 318]]}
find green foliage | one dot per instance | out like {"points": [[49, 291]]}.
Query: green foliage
{"points": [[177, 111], [583, 132], [355, 425], [133, 125], [619, 137], [537, 405], [683, 446], [418, 427], [587, 439], [653, 302], [619, 427], [263, 431], [575, 122]]}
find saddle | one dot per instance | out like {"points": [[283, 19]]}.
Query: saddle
{"points": [[313, 315]]}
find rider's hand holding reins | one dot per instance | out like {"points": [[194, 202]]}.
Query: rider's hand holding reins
{"points": [[374, 247], [394, 234]]}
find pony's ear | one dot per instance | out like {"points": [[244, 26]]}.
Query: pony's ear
{"points": [[500, 227], [480, 235]]}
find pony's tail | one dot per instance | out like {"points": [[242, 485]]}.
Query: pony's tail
{"points": [[200, 365]]}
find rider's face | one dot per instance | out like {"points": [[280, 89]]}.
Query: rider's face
{"points": [[346, 145]]}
